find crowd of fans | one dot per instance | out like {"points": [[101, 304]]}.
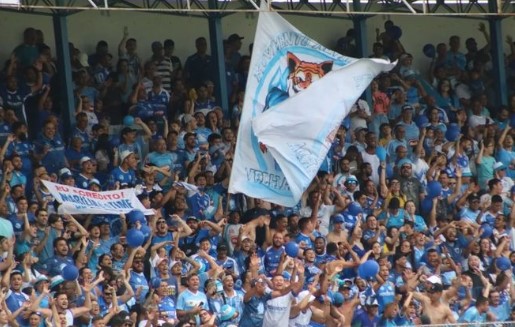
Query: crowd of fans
{"points": [[216, 259]]}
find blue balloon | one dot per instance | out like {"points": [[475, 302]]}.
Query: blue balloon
{"points": [[395, 32], [426, 205], [292, 249], [136, 215], [146, 232], [487, 231], [421, 121], [114, 141], [381, 153], [429, 50], [128, 120], [70, 273], [354, 209], [452, 133], [135, 238], [368, 269], [434, 189], [503, 263]]}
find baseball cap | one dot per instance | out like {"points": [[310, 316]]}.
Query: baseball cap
{"points": [[192, 218], [125, 154], [338, 219], [466, 174], [434, 279], [222, 246], [234, 37], [473, 197], [227, 312], [161, 260], [56, 280], [351, 179], [338, 298], [84, 159], [435, 288], [371, 301], [257, 280], [499, 166], [187, 118], [65, 173], [407, 107], [404, 162], [41, 278], [127, 130], [94, 181]]}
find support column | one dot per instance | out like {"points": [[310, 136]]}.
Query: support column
{"points": [[66, 97], [497, 53], [217, 55], [360, 27]]}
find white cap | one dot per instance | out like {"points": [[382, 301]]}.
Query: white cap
{"points": [[125, 154], [434, 280], [84, 159]]}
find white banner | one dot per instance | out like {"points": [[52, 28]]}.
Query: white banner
{"points": [[286, 64], [74, 200]]}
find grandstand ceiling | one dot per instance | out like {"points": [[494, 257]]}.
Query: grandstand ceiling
{"points": [[339, 8]]}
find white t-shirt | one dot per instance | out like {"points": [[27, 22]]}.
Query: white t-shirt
{"points": [[277, 312], [324, 216], [373, 160]]}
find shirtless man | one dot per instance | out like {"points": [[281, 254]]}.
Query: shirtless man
{"points": [[338, 234], [281, 227], [347, 308], [438, 312]]}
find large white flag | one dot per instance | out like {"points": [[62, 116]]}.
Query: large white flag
{"points": [[288, 124]]}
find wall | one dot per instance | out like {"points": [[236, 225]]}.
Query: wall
{"points": [[86, 28]]}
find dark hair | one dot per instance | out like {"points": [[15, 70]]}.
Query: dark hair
{"points": [[302, 222], [57, 240]]}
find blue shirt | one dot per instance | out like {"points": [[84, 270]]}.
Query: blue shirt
{"points": [[396, 221], [84, 136], [362, 319], [54, 265], [136, 281], [198, 203], [124, 177], [188, 300], [306, 239], [17, 178], [254, 311], [55, 159], [472, 315], [24, 149], [167, 307], [14, 301], [272, 259], [385, 294]]}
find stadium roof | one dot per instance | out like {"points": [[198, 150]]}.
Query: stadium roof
{"points": [[477, 8]]}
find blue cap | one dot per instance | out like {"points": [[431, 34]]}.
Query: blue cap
{"points": [[338, 219], [403, 162], [227, 312], [338, 298]]}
